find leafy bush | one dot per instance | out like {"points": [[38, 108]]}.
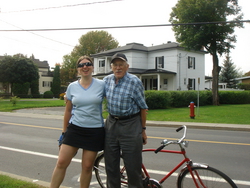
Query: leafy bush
{"points": [[14, 100], [234, 97], [244, 86], [165, 99], [183, 98], [158, 99], [48, 94], [61, 96]]}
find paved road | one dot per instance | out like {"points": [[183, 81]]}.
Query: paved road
{"points": [[31, 147]]}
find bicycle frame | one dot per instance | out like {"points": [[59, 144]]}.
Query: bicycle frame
{"points": [[185, 160], [193, 174]]}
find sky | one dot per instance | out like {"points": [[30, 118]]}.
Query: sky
{"points": [[51, 46]]}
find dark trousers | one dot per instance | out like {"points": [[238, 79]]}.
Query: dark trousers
{"points": [[123, 137]]}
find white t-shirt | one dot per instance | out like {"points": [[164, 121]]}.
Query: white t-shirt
{"points": [[87, 103]]}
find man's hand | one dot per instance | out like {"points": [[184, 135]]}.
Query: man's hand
{"points": [[144, 137]]}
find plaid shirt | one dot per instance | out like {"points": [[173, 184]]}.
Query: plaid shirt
{"points": [[126, 97]]}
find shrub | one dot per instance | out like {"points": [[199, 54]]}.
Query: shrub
{"points": [[244, 86], [183, 98], [14, 100], [48, 94], [61, 96], [234, 97], [158, 99]]}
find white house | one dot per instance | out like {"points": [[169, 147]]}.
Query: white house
{"points": [[162, 67], [45, 76]]}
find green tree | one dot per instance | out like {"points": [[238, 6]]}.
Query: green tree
{"points": [[217, 39], [229, 72], [247, 73], [18, 69], [91, 43], [56, 83], [34, 88]]}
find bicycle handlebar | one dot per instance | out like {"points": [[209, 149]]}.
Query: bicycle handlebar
{"points": [[166, 142]]}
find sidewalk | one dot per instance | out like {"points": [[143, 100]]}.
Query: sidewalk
{"points": [[57, 113]]}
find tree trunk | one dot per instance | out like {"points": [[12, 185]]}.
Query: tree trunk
{"points": [[215, 75]]}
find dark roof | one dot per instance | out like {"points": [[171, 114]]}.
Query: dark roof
{"points": [[139, 47], [41, 64], [140, 71]]}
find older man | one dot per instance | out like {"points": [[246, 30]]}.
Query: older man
{"points": [[126, 125]]}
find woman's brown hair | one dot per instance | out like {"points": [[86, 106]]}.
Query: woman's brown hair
{"points": [[82, 58]]}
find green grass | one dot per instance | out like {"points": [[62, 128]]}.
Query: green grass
{"points": [[7, 106], [8, 182], [232, 114]]}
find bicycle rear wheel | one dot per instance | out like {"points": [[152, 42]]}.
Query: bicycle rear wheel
{"points": [[206, 177]]}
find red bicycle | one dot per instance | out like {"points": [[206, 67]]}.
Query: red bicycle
{"points": [[191, 175]]}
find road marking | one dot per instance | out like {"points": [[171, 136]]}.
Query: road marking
{"points": [[35, 126], [35, 153], [204, 141], [79, 161], [161, 138]]}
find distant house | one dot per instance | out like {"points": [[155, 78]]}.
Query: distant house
{"points": [[45, 77], [243, 80], [162, 67]]}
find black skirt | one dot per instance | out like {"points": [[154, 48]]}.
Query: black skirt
{"points": [[86, 138]]}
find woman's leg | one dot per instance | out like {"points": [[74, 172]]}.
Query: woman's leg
{"points": [[88, 160], [66, 154]]}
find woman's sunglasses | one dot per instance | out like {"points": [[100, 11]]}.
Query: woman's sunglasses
{"points": [[88, 64]]}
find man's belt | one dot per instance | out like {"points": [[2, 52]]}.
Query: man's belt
{"points": [[124, 117]]}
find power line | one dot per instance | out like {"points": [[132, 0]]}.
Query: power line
{"points": [[63, 6], [38, 34], [121, 27]]}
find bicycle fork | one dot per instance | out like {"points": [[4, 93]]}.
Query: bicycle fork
{"points": [[195, 176]]}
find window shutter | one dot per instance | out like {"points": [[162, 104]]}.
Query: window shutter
{"points": [[194, 85], [162, 61], [189, 62], [194, 63], [156, 63]]}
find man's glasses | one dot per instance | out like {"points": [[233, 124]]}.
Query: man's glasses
{"points": [[88, 64]]}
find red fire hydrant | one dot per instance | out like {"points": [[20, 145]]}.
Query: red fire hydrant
{"points": [[192, 106]]}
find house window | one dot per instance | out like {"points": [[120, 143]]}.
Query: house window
{"points": [[165, 81], [191, 84], [191, 62], [101, 63], [47, 84], [159, 62]]}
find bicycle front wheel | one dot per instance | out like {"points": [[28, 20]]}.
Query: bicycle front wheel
{"points": [[206, 177], [100, 173]]}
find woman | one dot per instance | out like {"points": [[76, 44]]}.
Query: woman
{"points": [[83, 125]]}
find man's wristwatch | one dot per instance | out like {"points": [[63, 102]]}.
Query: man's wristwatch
{"points": [[144, 128]]}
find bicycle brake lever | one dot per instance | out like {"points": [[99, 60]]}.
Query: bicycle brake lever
{"points": [[164, 142]]}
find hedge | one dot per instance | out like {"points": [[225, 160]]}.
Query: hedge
{"points": [[167, 99]]}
